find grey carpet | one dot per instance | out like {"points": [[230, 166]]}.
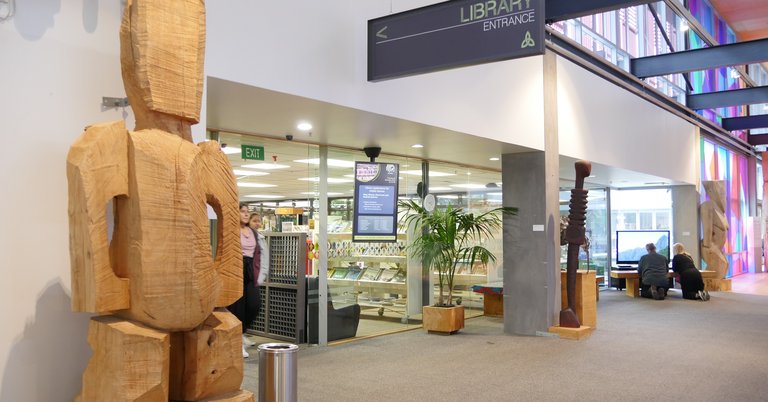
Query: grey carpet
{"points": [[642, 350]]}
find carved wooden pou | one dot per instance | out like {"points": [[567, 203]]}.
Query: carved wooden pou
{"points": [[575, 235], [166, 335]]}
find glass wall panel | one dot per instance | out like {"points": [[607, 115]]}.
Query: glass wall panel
{"points": [[377, 277], [274, 186], [596, 255], [476, 191], [721, 164], [640, 209]]}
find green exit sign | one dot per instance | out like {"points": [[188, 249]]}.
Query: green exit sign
{"points": [[252, 152]]}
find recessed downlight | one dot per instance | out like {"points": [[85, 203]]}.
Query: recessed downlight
{"points": [[304, 126], [493, 158], [417, 146], [255, 185]]}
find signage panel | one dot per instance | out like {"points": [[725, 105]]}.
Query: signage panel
{"points": [[375, 212], [252, 152], [452, 34]]}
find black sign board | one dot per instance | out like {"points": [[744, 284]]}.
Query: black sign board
{"points": [[375, 218], [452, 34]]}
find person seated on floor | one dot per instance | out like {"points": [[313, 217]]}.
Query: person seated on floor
{"points": [[691, 282], [653, 274]]}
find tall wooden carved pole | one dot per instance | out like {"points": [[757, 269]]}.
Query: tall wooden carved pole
{"points": [[575, 234], [164, 333]]}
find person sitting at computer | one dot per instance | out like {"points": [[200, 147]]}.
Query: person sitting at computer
{"points": [[690, 277], [653, 274]]}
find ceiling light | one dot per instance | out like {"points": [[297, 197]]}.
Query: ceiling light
{"points": [[452, 197], [304, 126], [316, 194], [493, 193], [493, 158], [265, 166], [255, 185], [231, 150], [330, 180], [331, 162], [241, 172], [440, 189], [417, 146], [266, 196], [432, 173], [468, 185]]}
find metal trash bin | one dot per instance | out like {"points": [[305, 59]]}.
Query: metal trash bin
{"points": [[277, 372]]}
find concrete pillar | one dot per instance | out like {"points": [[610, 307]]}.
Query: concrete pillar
{"points": [[531, 239], [685, 220]]}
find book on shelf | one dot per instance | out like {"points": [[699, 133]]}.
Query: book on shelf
{"points": [[388, 274], [399, 276], [340, 273], [354, 273], [372, 274]]}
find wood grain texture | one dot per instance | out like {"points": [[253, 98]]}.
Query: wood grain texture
{"points": [[130, 362], [586, 297], [162, 236], [208, 360], [212, 175], [240, 396], [493, 305], [97, 171], [162, 49], [443, 319], [715, 227], [575, 334]]}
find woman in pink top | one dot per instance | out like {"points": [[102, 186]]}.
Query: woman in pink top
{"points": [[254, 273]]}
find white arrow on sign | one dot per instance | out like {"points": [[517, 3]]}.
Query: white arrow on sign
{"points": [[381, 34]]}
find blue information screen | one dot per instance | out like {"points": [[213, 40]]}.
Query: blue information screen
{"points": [[375, 202]]}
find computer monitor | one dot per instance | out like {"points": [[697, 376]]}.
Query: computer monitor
{"points": [[630, 244]]}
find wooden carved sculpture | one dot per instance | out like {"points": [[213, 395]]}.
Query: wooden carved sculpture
{"points": [[575, 234], [715, 225], [164, 333]]}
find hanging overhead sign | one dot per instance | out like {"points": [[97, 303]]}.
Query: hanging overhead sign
{"points": [[375, 212], [452, 34]]}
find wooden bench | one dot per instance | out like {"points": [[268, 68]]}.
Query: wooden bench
{"points": [[633, 281], [493, 301]]}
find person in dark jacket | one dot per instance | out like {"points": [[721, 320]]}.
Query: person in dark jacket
{"points": [[690, 278], [653, 274]]}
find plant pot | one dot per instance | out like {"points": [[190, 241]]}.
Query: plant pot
{"points": [[443, 320]]}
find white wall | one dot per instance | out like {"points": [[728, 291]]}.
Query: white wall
{"points": [[603, 123], [318, 50], [57, 59]]}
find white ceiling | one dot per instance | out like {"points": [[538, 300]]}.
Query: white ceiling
{"points": [[258, 116]]}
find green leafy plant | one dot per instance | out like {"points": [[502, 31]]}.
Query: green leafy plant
{"points": [[451, 236]]}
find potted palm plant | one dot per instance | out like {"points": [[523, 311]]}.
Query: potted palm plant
{"points": [[449, 237]]}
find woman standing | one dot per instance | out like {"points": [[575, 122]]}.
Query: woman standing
{"points": [[690, 278], [255, 269]]}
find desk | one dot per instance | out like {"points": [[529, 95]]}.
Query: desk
{"points": [[493, 301], [633, 280]]}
